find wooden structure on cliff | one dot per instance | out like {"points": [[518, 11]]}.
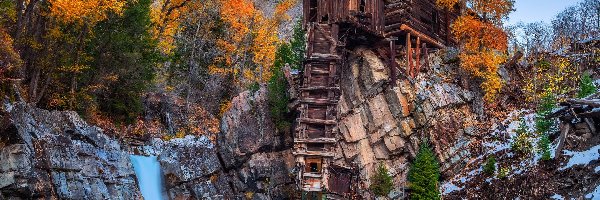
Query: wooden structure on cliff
{"points": [[392, 27]]}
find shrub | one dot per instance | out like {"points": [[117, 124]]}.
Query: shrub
{"points": [[586, 86], [503, 172], [522, 143], [544, 147], [490, 166], [424, 174], [381, 181]]}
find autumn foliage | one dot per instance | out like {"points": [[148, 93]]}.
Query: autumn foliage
{"points": [[483, 40], [251, 40]]}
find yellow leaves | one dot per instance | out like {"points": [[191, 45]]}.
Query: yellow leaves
{"points": [[447, 3], [550, 76], [251, 36], [84, 11]]}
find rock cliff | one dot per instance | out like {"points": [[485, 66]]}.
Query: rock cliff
{"points": [[384, 124], [56, 155]]}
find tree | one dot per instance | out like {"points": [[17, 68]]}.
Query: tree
{"points": [[544, 147], [522, 141], [424, 174], [490, 166], [483, 40], [298, 45], [123, 58], [586, 86], [250, 41], [381, 181], [277, 86]]}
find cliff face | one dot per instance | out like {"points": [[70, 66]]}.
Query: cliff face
{"points": [[54, 154], [384, 124], [57, 155]]}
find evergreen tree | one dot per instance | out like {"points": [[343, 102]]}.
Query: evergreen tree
{"points": [[298, 46], [424, 174], [490, 165], [547, 104], [123, 57], [277, 87], [586, 86], [381, 181], [544, 147]]}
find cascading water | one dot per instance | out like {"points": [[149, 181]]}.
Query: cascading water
{"points": [[147, 170]]}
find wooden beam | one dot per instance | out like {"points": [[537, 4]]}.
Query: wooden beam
{"points": [[392, 61], [426, 38], [408, 54], [418, 51]]}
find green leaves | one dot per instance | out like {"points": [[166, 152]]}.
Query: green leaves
{"points": [[424, 174], [490, 166], [381, 182], [586, 86]]}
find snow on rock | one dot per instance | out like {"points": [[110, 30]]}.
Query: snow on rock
{"points": [[557, 197], [595, 195], [582, 158]]}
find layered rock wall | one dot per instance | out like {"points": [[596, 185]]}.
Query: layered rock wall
{"points": [[384, 124], [56, 155]]}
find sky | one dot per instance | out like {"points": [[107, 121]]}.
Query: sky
{"points": [[529, 11]]}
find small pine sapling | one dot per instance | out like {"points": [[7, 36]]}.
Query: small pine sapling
{"points": [[490, 166], [424, 174], [381, 181], [544, 147], [586, 86]]}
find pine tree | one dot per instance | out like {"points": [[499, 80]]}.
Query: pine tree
{"points": [[547, 104], [490, 165], [298, 46], [381, 182], [586, 86], [123, 52], [544, 147], [424, 174]]}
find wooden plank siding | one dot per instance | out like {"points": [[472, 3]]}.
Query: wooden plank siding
{"points": [[384, 17]]}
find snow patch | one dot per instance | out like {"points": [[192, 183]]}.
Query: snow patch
{"points": [[595, 195], [582, 158], [597, 169], [557, 197]]}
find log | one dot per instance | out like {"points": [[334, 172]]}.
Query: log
{"points": [[563, 136], [591, 126], [592, 102], [514, 59]]}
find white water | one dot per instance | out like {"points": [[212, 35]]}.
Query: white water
{"points": [[147, 171]]}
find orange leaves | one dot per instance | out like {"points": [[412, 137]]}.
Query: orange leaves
{"points": [[477, 34], [493, 10], [251, 36], [484, 42], [84, 11]]}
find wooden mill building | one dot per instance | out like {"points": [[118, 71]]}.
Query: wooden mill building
{"points": [[394, 28]]}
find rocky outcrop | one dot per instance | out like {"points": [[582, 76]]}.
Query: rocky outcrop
{"points": [[247, 160], [384, 124], [56, 155]]}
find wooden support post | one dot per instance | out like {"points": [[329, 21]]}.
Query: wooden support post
{"points": [[418, 52], [408, 55], [426, 54], [566, 127], [392, 62]]}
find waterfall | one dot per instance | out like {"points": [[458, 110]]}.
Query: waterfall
{"points": [[147, 171]]}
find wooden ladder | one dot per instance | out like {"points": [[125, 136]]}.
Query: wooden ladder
{"points": [[314, 139]]}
